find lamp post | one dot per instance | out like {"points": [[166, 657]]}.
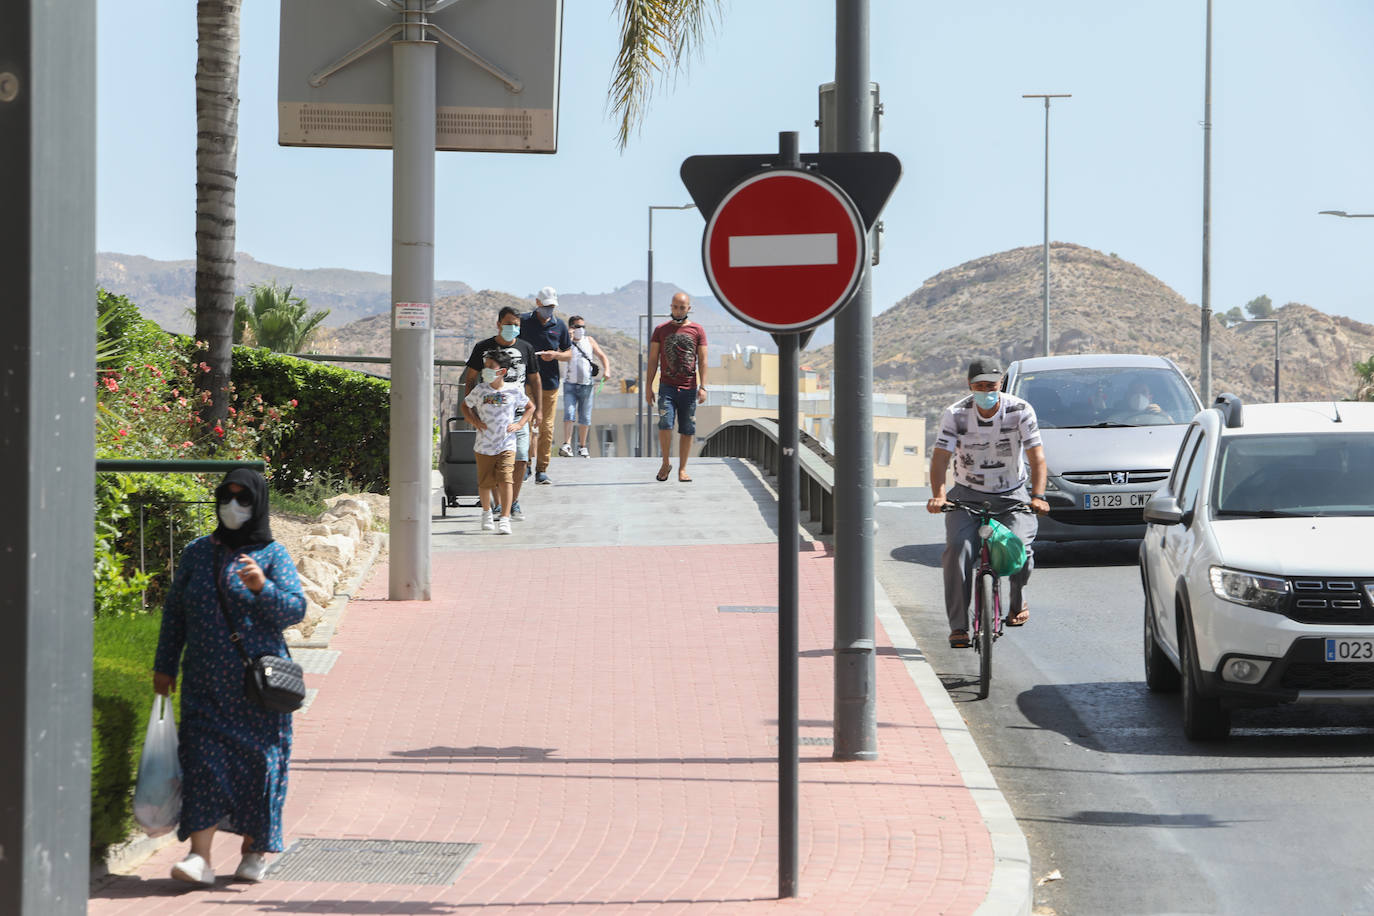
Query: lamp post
{"points": [[649, 324], [639, 388], [1275, 323], [1045, 317]]}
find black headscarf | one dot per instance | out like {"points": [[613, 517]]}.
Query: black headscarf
{"points": [[257, 530]]}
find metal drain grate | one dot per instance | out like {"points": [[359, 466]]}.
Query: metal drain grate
{"points": [[748, 608], [806, 740], [372, 861], [315, 661]]}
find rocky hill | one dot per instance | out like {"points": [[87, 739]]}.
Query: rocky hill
{"points": [[461, 321], [1099, 303], [165, 291]]}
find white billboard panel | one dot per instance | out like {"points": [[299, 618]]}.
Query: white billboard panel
{"points": [[509, 105]]}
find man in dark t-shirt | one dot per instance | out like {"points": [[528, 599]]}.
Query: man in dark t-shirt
{"points": [[522, 374], [552, 345], [678, 348]]}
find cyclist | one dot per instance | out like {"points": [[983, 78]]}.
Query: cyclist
{"points": [[994, 440]]}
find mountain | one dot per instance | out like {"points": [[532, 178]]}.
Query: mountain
{"points": [[1099, 303], [165, 291]]}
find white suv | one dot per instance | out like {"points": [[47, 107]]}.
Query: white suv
{"points": [[1257, 562]]}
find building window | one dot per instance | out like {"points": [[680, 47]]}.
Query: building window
{"points": [[883, 444]]}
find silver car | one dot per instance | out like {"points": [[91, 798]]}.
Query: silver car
{"points": [[1111, 425]]}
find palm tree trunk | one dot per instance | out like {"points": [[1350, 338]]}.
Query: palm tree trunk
{"points": [[217, 144]]}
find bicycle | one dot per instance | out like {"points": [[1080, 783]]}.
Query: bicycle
{"points": [[985, 617]]}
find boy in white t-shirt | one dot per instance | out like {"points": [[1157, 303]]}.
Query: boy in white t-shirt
{"points": [[491, 407]]}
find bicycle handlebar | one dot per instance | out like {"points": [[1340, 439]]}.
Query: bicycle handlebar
{"points": [[984, 507]]}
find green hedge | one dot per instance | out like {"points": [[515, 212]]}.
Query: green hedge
{"points": [[341, 422], [122, 687]]}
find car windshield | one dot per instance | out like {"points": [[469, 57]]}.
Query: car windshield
{"points": [[1107, 396], [1327, 474]]}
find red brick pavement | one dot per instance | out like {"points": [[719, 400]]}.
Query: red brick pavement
{"points": [[610, 745]]}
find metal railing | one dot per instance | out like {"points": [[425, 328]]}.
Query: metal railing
{"points": [[756, 440]]}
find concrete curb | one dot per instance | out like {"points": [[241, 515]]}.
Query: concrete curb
{"points": [[1010, 891], [133, 852]]}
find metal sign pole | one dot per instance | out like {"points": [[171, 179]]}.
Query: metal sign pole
{"points": [[412, 298]]}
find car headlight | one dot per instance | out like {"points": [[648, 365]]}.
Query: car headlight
{"points": [[1264, 592], [1050, 486]]}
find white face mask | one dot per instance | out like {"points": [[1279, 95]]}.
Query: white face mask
{"points": [[578, 333], [1139, 402], [491, 375], [232, 515]]}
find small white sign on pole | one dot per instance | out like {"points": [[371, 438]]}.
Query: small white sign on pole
{"points": [[412, 315], [496, 74]]}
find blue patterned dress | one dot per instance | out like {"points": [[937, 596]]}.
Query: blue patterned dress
{"points": [[234, 754]]}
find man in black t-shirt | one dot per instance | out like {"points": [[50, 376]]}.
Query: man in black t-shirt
{"points": [[523, 374]]}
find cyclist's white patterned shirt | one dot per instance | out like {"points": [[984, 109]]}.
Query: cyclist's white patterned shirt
{"points": [[989, 454]]}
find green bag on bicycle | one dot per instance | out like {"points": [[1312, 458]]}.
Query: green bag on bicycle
{"points": [[1005, 550]]}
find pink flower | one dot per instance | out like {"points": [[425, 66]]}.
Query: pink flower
{"points": [[294, 402], [111, 384], [219, 430], [233, 412], [185, 445], [123, 432]]}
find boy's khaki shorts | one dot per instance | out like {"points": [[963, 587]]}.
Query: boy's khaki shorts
{"points": [[494, 470]]}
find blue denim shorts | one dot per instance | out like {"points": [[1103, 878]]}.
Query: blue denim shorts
{"points": [[681, 402], [522, 444], [577, 403]]}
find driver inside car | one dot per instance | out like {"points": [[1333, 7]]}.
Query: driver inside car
{"points": [[1139, 403]]}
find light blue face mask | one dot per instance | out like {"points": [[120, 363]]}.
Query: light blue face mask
{"points": [[491, 375], [986, 399], [509, 332]]}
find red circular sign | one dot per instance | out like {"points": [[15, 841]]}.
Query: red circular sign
{"points": [[784, 250]]}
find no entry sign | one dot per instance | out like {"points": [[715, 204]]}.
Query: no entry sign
{"points": [[784, 250]]}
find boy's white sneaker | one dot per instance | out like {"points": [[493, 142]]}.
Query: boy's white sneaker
{"points": [[194, 870], [565, 450], [252, 868], [503, 525], [488, 521], [583, 453]]}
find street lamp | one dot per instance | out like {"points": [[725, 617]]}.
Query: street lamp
{"points": [[1275, 323], [1045, 318], [649, 324], [1346, 215], [639, 387]]}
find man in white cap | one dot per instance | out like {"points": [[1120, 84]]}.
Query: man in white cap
{"points": [[994, 440], [552, 345]]}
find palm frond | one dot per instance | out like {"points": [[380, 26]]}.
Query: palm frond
{"points": [[656, 36]]}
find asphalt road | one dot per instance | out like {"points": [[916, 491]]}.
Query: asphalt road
{"points": [[1134, 818]]}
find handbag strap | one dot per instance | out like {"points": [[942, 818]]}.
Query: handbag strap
{"points": [[583, 352], [234, 636]]}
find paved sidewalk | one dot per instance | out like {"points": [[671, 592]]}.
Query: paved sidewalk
{"points": [[606, 736]]}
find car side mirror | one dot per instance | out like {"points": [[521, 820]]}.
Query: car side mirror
{"points": [[1164, 510]]}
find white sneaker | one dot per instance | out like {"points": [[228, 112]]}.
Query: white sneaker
{"points": [[503, 525], [583, 453], [194, 870], [565, 450], [252, 868], [488, 521]]}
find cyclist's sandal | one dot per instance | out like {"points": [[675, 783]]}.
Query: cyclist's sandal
{"points": [[958, 639], [1021, 619]]}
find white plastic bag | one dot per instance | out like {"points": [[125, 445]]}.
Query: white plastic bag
{"points": [[157, 798]]}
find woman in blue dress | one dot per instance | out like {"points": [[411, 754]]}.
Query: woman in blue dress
{"points": [[233, 753]]}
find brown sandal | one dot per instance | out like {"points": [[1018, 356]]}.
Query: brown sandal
{"points": [[1021, 618], [663, 472], [958, 639]]}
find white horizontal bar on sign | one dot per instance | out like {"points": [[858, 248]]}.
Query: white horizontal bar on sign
{"points": [[784, 250]]}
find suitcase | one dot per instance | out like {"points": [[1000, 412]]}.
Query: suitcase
{"points": [[457, 466]]}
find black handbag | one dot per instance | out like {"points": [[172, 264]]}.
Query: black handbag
{"points": [[275, 683]]}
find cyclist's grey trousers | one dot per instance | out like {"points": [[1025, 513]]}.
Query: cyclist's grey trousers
{"points": [[961, 550]]}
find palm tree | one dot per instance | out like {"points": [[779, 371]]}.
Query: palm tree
{"points": [[655, 36], [276, 318], [217, 144], [1365, 371]]}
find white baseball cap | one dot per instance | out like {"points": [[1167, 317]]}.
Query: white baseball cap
{"points": [[547, 296]]}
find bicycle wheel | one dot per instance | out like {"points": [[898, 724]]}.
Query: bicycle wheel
{"points": [[987, 614]]}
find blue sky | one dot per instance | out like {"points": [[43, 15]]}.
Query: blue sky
{"points": [[1293, 127]]}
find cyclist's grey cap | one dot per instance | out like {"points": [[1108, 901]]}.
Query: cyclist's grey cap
{"points": [[985, 370]]}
